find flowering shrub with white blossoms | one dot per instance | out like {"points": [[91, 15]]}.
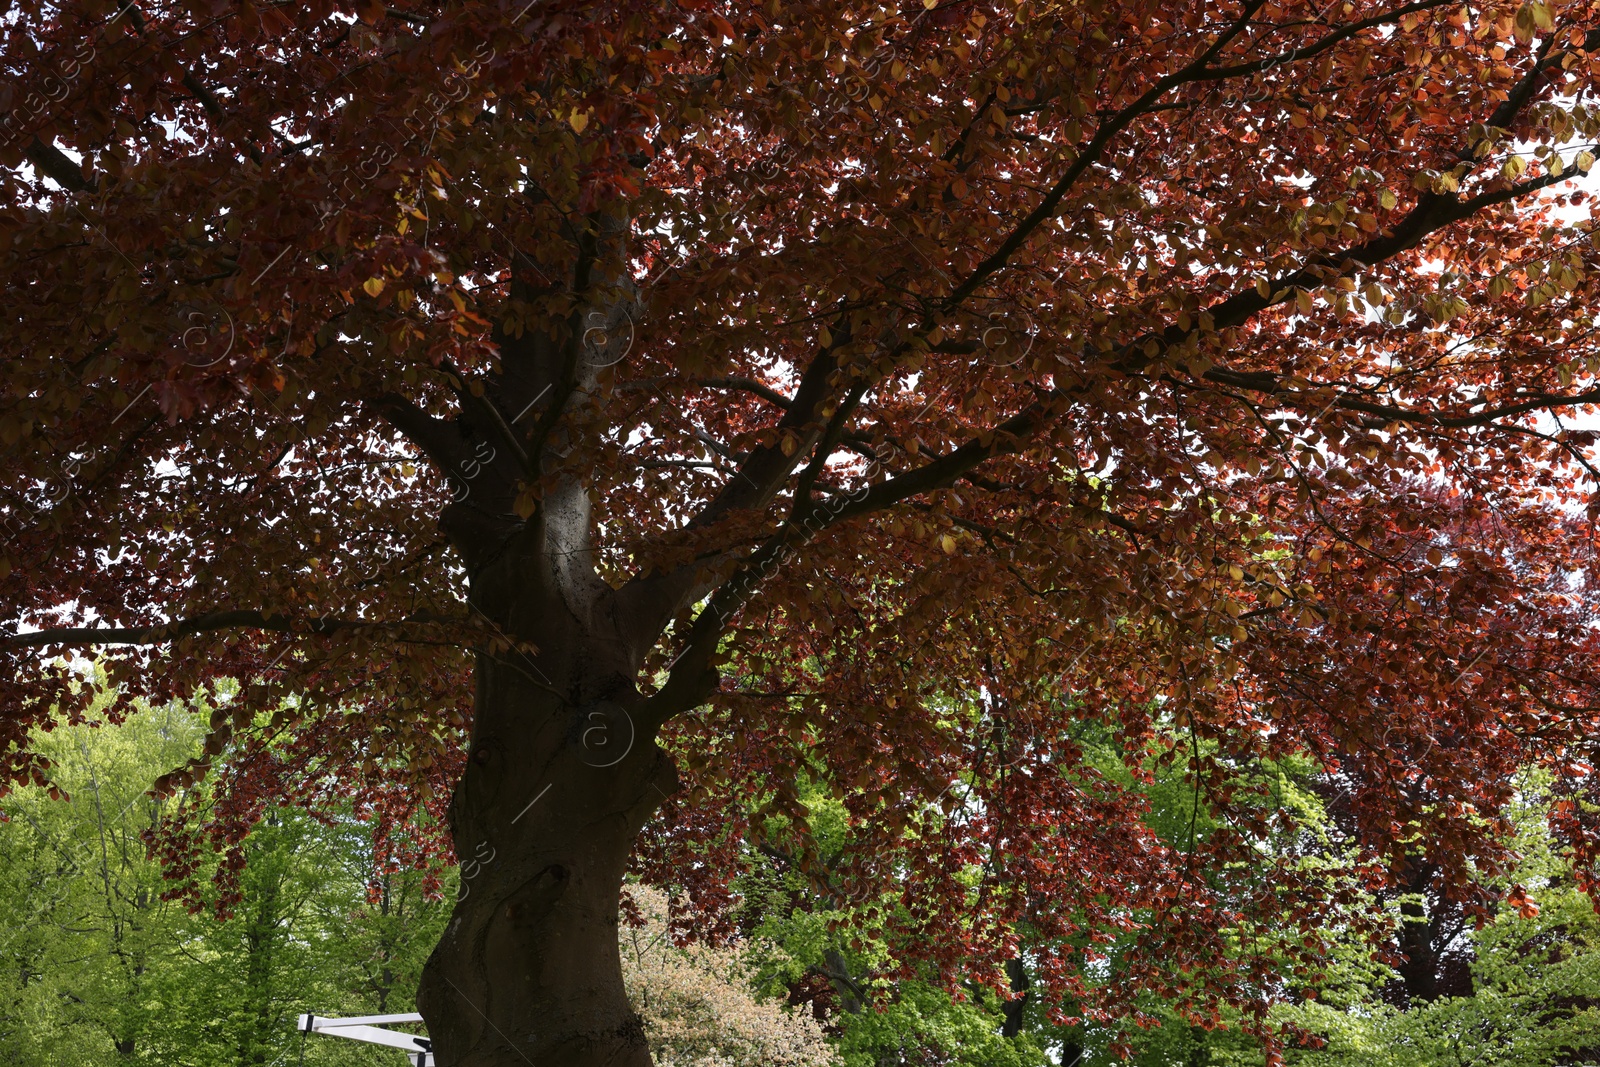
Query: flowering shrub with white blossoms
{"points": [[697, 1004]]}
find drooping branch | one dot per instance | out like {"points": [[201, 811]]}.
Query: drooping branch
{"points": [[97, 636], [1521, 404]]}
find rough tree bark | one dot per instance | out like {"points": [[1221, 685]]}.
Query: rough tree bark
{"points": [[562, 772], [528, 969], [563, 768]]}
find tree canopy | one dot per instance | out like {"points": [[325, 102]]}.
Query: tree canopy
{"points": [[629, 417]]}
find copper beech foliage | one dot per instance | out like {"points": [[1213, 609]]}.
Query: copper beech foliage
{"points": [[1210, 371]]}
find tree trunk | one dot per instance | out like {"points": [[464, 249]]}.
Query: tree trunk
{"points": [[544, 819], [563, 769], [1014, 1011], [1419, 973]]}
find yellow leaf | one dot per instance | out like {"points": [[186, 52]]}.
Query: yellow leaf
{"points": [[947, 543], [1584, 161], [789, 444], [1387, 200], [1525, 22], [579, 120], [1264, 289], [373, 286]]}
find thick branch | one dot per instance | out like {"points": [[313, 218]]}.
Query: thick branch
{"points": [[434, 437], [486, 409], [749, 385], [766, 469], [55, 165]]}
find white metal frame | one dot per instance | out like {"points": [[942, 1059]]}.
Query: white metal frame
{"points": [[368, 1028]]}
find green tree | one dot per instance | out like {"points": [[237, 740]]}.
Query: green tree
{"points": [[86, 925], [104, 965], [1535, 977]]}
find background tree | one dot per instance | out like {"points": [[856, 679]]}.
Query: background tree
{"points": [[103, 966], [1532, 991], [504, 370], [836, 958], [87, 926]]}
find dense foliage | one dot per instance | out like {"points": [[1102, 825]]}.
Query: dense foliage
{"points": [[617, 425], [100, 969]]}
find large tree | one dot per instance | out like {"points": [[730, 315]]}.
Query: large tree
{"points": [[819, 391]]}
